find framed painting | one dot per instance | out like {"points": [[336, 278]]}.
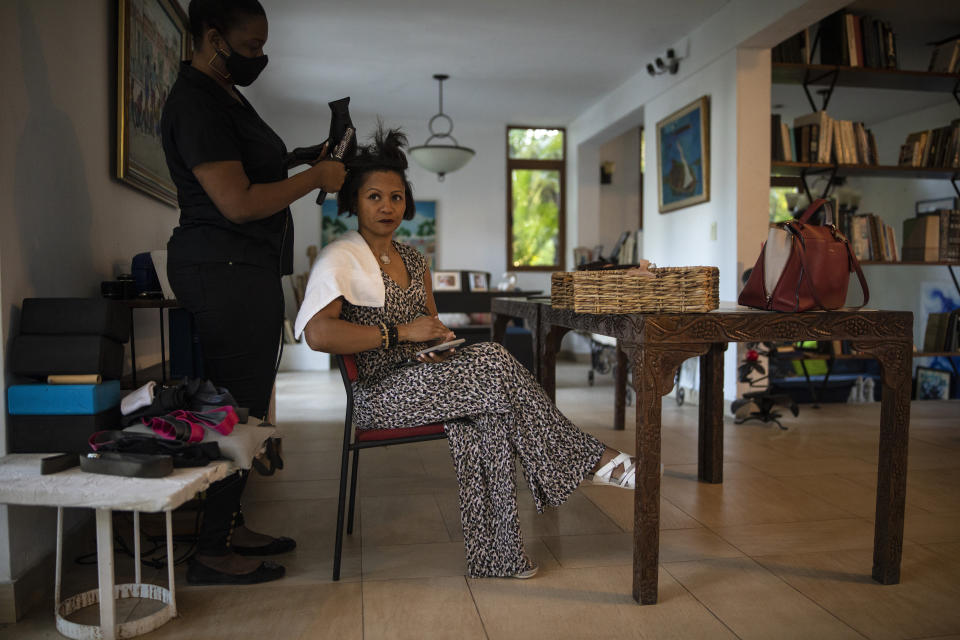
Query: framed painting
{"points": [[683, 156], [932, 384], [152, 40], [420, 233]]}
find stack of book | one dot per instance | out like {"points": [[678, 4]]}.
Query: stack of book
{"points": [[946, 57], [932, 237], [870, 237], [816, 137], [794, 49], [857, 41], [943, 332], [938, 148]]}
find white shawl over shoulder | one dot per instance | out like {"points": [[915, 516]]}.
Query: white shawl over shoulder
{"points": [[345, 267]]}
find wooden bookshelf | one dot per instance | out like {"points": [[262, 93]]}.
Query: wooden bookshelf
{"points": [[864, 77], [798, 169]]}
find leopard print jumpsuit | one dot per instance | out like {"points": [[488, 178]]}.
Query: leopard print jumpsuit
{"points": [[492, 410]]}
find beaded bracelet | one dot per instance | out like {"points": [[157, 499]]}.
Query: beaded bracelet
{"points": [[384, 337]]}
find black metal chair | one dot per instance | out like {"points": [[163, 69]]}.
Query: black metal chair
{"points": [[356, 439]]}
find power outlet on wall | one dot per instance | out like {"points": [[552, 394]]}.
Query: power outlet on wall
{"points": [[713, 231]]}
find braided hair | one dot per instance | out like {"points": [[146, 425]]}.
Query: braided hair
{"points": [[385, 153]]}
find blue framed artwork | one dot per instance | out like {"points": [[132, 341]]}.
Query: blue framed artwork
{"points": [[420, 232], [683, 156]]}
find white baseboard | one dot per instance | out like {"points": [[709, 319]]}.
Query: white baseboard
{"points": [[300, 357]]}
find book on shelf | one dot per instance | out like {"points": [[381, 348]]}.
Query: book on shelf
{"points": [[823, 139], [795, 49], [942, 332], [946, 57], [871, 239], [921, 239], [847, 39], [934, 148], [782, 146], [932, 237], [813, 137], [948, 227]]}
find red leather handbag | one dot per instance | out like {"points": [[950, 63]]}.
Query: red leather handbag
{"points": [[803, 267]]}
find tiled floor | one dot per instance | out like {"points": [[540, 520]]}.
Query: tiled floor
{"points": [[781, 550]]}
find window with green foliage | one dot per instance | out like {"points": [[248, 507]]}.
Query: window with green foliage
{"points": [[779, 209], [536, 172]]}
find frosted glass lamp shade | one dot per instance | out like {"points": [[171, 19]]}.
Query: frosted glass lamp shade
{"points": [[440, 158]]}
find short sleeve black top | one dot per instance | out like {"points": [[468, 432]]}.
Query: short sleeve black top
{"points": [[201, 122]]}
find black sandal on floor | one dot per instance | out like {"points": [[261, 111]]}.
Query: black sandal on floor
{"points": [[276, 546], [199, 573]]}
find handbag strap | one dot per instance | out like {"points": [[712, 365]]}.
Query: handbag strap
{"points": [[814, 207], [852, 260]]}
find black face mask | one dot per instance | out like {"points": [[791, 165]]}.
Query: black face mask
{"points": [[243, 69]]}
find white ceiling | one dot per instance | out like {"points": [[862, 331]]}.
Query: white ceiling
{"points": [[520, 61]]}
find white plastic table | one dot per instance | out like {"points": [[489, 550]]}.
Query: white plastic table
{"points": [[21, 483]]}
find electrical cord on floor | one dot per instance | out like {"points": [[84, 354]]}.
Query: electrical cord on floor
{"points": [[159, 544]]}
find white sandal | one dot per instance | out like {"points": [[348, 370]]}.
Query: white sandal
{"points": [[627, 479], [527, 574]]}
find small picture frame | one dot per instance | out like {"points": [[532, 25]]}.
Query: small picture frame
{"points": [[477, 281], [932, 384], [446, 281]]}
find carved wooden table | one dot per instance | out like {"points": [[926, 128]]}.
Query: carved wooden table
{"points": [[502, 310], [657, 344]]}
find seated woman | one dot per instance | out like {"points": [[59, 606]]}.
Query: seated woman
{"points": [[372, 297]]}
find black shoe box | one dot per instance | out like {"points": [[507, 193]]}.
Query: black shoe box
{"points": [[57, 434], [37, 356], [75, 316]]}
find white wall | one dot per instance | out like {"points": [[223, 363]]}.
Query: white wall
{"points": [[686, 236], [620, 200], [64, 222]]}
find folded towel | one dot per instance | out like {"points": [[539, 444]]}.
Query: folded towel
{"points": [[345, 267], [142, 397]]}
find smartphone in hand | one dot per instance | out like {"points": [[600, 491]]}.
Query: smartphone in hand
{"points": [[440, 348]]}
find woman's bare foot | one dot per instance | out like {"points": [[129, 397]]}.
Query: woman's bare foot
{"points": [[608, 455]]}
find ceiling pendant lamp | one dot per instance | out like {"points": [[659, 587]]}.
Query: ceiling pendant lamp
{"points": [[441, 158]]}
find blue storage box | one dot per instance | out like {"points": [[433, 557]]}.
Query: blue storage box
{"points": [[63, 399]]}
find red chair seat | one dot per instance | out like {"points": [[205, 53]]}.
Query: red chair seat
{"points": [[369, 435]]}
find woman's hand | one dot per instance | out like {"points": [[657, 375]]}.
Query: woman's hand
{"points": [[329, 175], [425, 329], [436, 356]]}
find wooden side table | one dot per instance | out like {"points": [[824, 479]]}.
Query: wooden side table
{"points": [[21, 483], [657, 344]]}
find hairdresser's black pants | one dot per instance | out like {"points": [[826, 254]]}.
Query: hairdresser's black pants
{"points": [[238, 315]]}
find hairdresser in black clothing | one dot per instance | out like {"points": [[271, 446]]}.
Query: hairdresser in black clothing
{"points": [[233, 244]]}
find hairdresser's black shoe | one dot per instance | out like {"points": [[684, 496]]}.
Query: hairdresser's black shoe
{"points": [[198, 573], [276, 546]]}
